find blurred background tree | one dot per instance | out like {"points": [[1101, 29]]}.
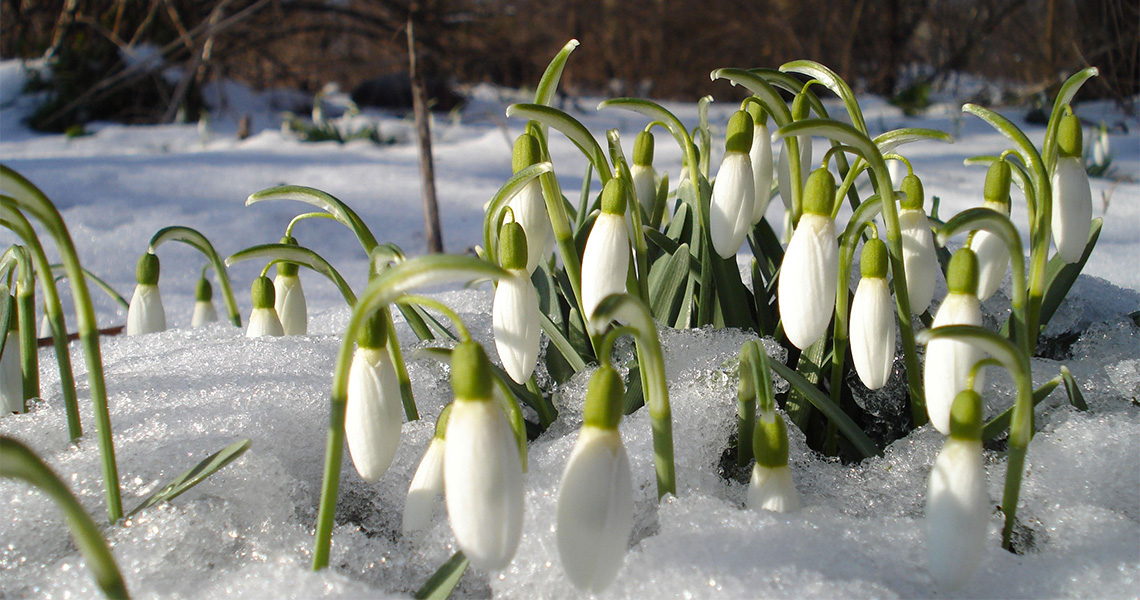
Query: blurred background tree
{"points": [[659, 48]]}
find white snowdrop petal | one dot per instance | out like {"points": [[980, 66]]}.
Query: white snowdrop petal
{"points": [[808, 280], [204, 313], [733, 199], [948, 362], [145, 313], [595, 509], [872, 335], [919, 258], [264, 321], [1072, 208], [529, 210], [605, 261], [772, 488], [11, 378], [957, 513], [426, 485], [289, 302], [515, 321], [993, 262], [645, 186], [373, 412], [483, 485], [784, 168], [761, 155]]}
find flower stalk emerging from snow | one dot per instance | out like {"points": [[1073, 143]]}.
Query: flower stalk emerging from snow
{"points": [[595, 497], [1072, 197], [810, 271], [289, 297], [872, 319], [515, 311], [145, 314], [204, 311], [373, 413], [605, 262], [919, 258], [993, 254], [949, 362], [528, 205], [263, 319], [734, 191]]}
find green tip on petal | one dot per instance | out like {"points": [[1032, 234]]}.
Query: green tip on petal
{"points": [[758, 114], [613, 196], [770, 442], [146, 272], [374, 332], [915, 195], [819, 192], [604, 399], [739, 136], [998, 179], [288, 269], [261, 292], [1069, 136], [962, 274], [873, 261], [512, 246], [966, 416], [204, 292], [527, 152], [643, 149], [441, 422], [470, 372]]}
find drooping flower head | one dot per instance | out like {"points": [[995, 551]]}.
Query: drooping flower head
{"points": [[289, 298], [482, 470], [957, 504], [761, 156], [771, 487], [605, 261], [515, 311], [949, 362], [427, 483], [810, 271], [263, 319], [873, 319], [373, 411], [204, 311], [993, 254], [145, 313], [644, 177], [920, 261], [1072, 197], [528, 206], [734, 191], [595, 498]]}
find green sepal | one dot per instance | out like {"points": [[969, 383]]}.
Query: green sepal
{"points": [[512, 246], [441, 422], [288, 269], [914, 194], [374, 333], [614, 196], [966, 416], [738, 137], [527, 152], [604, 399], [998, 178], [962, 274], [471, 372], [873, 261], [262, 293], [643, 149], [819, 192], [1069, 136], [770, 441], [203, 292], [146, 272]]}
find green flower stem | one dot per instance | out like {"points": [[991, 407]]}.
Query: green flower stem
{"points": [[199, 242], [846, 134], [303, 216], [1068, 89], [833, 82], [627, 308], [17, 461], [496, 208], [380, 258], [297, 255], [59, 272], [573, 129], [1001, 422], [434, 304], [14, 220], [411, 413], [324, 201], [384, 289], [1016, 361], [26, 303], [29, 198], [633, 212]]}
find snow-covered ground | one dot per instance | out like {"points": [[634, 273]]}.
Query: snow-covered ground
{"points": [[247, 531]]}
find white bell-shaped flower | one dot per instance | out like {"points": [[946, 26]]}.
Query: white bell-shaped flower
{"points": [[1072, 197], [204, 312], [289, 297], [528, 206], [11, 378], [426, 486], [873, 319], [515, 312], [771, 486], [263, 319], [734, 190], [145, 314], [482, 469], [946, 371], [605, 262], [595, 497], [761, 157], [957, 504], [993, 254], [1102, 147], [644, 177], [920, 261], [374, 409], [809, 273]]}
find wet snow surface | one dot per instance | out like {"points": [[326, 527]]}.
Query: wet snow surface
{"points": [[247, 532]]}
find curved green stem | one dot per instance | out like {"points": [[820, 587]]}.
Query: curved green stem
{"points": [[26, 313], [324, 201], [59, 273], [303, 216], [297, 255], [492, 220], [199, 242]]}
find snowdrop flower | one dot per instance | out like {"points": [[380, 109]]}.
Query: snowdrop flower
{"points": [[263, 320], [1072, 197], [427, 483], [949, 362], [920, 262], [528, 206], [605, 261], [595, 498], [993, 254], [734, 190], [515, 312], [761, 156], [872, 319], [810, 271], [145, 314], [482, 470], [203, 304], [771, 487], [11, 377], [644, 177], [1102, 148], [373, 412], [957, 505], [289, 298]]}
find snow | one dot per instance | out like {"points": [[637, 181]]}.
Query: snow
{"points": [[247, 531]]}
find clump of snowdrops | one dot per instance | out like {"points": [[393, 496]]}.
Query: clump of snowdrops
{"points": [[643, 253]]}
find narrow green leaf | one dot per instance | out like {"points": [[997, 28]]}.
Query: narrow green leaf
{"points": [[810, 368], [887, 142], [548, 84], [764, 91], [324, 201], [299, 255], [60, 273], [846, 426], [833, 82], [1064, 96], [1000, 423], [667, 284], [440, 585], [1076, 398], [571, 128], [197, 474]]}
